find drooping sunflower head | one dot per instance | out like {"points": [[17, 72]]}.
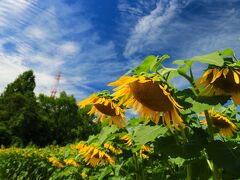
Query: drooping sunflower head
{"points": [[127, 140], [227, 128], [55, 162], [104, 106], [150, 96], [94, 156], [145, 151], [71, 162], [113, 149], [220, 81]]}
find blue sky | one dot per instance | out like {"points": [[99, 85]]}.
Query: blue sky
{"points": [[94, 42]]}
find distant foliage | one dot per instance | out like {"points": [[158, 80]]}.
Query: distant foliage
{"points": [[64, 120], [25, 118]]}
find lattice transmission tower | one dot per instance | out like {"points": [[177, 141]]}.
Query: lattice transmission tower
{"points": [[55, 87]]}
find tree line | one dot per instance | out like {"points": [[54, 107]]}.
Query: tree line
{"points": [[41, 120]]}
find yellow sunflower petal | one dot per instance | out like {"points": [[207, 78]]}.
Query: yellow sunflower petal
{"points": [[236, 78], [166, 118], [225, 72], [216, 74]]}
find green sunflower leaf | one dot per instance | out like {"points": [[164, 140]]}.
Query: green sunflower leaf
{"points": [[193, 104], [150, 63], [177, 161], [214, 58], [169, 73], [135, 121], [155, 66], [200, 104], [167, 147], [145, 134], [104, 172], [197, 107], [226, 156], [146, 65], [228, 52], [106, 132], [200, 169]]}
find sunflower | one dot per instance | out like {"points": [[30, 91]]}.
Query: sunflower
{"points": [[127, 139], [94, 156], [104, 106], [55, 162], [71, 162], [227, 128], [149, 96], [220, 81], [112, 148], [144, 152]]}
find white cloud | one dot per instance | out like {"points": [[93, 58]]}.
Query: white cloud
{"points": [[9, 70], [69, 48], [46, 45], [44, 82], [150, 26], [12, 12], [36, 32], [169, 26]]}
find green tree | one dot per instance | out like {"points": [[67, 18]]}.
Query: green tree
{"points": [[19, 118], [66, 122], [26, 119]]}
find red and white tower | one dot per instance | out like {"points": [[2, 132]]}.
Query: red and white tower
{"points": [[55, 87]]}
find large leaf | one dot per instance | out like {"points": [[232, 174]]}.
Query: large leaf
{"points": [[150, 63], [225, 157], [214, 58], [177, 161], [106, 132], [168, 147], [145, 134], [227, 52], [198, 104], [169, 73], [133, 122], [201, 103], [158, 63], [146, 65], [200, 169], [104, 172]]}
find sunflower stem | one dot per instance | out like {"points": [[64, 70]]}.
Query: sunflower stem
{"points": [[139, 172], [191, 81], [189, 172], [185, 139], [210, 125], [212, 166], [188, 166], [191, 74]]}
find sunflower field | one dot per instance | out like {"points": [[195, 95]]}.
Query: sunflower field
{"points": [[150, 129]]}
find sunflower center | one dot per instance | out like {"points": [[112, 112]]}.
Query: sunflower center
{"points": [[108, 110], [151, 95], [227, 84], [220, 122]]}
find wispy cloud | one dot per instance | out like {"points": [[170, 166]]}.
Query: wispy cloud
{"points": [[185, 28], [12, 12], [150, 26], [182, 29], [42, 39]]}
